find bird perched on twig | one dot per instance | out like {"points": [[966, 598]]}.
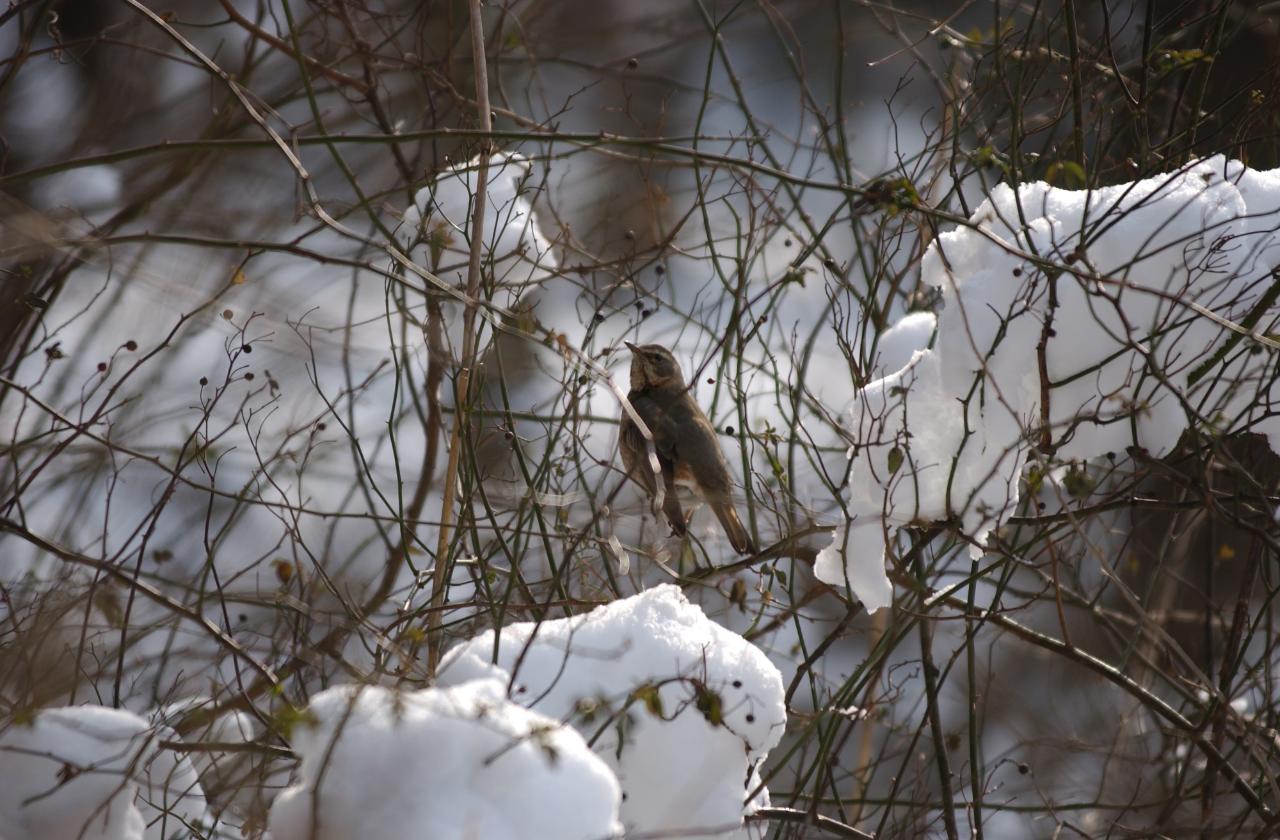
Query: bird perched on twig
{"points": [[686, 443]]}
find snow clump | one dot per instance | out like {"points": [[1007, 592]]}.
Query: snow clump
{"points": [[684, 710], [95, 773], [449, 764], [1074, 324]]}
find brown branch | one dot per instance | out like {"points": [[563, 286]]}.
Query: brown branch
{"points": [[794, 815], [321, 68], [1122, 681], [264, 671], [440, 576]]}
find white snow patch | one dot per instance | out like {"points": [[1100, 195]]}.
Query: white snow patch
{"points": [[1152, 279], [95, 773], [449, 764], [437, 227], [697, 706], [896, 345]]}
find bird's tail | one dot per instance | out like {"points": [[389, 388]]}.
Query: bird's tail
{"points": [[738, 536]]}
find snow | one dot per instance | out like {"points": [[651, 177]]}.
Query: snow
{"points": [[95, 773], [896, 345], [699, 706], [149, 305], [446, 763], [1151, 276], [436, 229], [236, 727]]}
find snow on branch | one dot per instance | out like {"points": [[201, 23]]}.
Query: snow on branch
{"points": [[683, 710], [670, 716], [1074, 324]]}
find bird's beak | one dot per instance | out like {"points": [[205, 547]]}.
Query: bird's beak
{"points": [[633, 348]]}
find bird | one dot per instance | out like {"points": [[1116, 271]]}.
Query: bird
{"points": [[684, 439]]}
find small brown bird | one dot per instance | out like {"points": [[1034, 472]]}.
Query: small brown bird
{"points": [[687, 447]]}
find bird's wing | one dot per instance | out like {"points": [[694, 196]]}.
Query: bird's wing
{"points": [[700, 449], [660, 422], [636, 461]]}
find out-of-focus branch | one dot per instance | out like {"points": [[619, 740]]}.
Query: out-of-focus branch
{"points": [[264, 671], [318, 66], [793, 815]]}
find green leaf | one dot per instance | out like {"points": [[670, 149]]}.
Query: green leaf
{"points": [[24, 717], [795, 274], [1070, 173], [1035, 479], [289, 717], [649, 695], [708, 702], [895, 460], [1077, 482]]}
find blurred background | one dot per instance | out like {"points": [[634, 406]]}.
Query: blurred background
{"points": [[234, 240]]}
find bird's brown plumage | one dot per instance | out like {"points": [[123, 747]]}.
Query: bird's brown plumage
{"points": [[686, 443]]}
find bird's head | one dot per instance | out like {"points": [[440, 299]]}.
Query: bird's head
{"points": [[653, 366]]}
